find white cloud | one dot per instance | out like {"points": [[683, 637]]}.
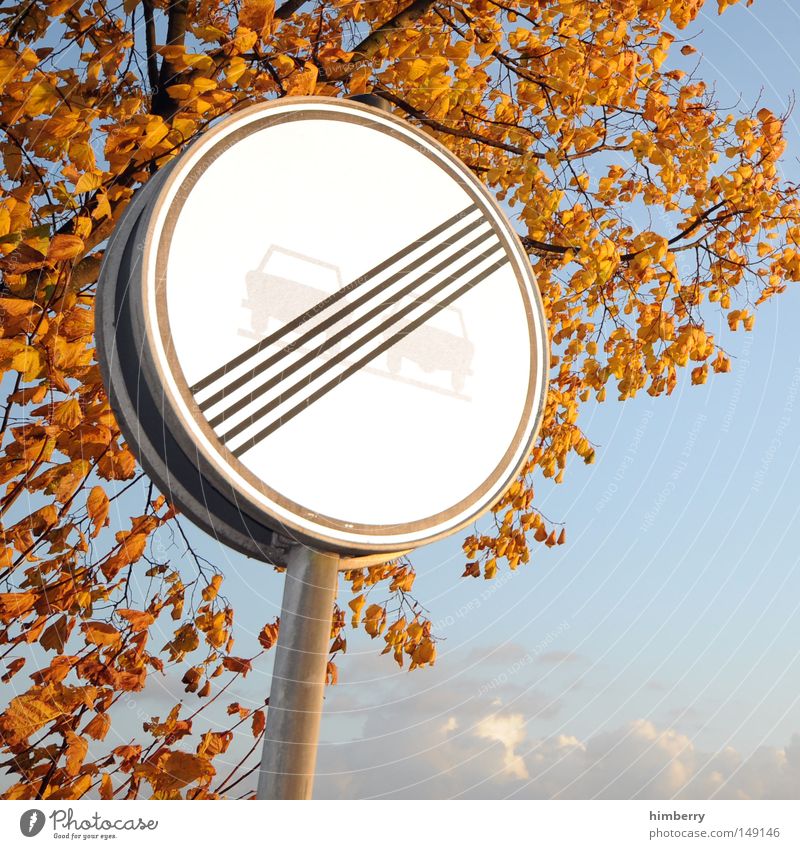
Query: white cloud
{"points": [[509, 731]]}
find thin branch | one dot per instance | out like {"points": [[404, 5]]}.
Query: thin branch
{"points": [[560, 250], [150, 46], [452, 131]]}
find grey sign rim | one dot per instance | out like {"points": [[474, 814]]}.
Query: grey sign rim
{"points": [[172, 477]]}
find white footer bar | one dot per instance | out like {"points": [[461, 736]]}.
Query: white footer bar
{"points": [[396, 825]]}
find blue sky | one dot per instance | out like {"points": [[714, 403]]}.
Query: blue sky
{"points": [[657, 652]]}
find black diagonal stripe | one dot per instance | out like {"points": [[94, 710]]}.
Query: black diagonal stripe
{"points": [[341, 334], [351, 349], [331, 299], [336, 317], [365, 360]]}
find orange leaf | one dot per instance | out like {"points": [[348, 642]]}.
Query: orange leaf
{"points": [[13, 667], [375, 620], [97, 507], [55, 636], [64, 247], [214, 743], [237, 664], [179, 769], [76, 752], [98, 726], [257, 15], [101, 633], [259, 722], [106, 787], [139, 620], [210, 592], [14, 605], [269, 634], [25, 715]]}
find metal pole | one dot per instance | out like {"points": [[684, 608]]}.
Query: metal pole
{"points": [[298, 680]]}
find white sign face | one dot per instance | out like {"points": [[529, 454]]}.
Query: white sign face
{"points": [[345, 322]]}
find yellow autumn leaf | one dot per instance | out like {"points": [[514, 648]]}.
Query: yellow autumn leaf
{"points": [[40, 98], [210, 592], [357, 605], [67, 414], [302, 82], [417, 69], [257, 15], [30, 362], [88, 182]]}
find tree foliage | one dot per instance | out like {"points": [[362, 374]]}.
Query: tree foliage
{"points": [[578, 114]]}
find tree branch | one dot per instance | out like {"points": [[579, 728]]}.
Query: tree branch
{"points": [[546, 248], [163, 104], [373, 42], [287, 9], [452, 131], [150, 46]]}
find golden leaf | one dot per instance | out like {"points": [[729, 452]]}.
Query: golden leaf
{"points": [[67, 414], [303, 82], [179, 769], [257, 15], [76, 752], [25, 715], [40, 98], [101, 633], [64, 247], [97, 508], [138, 620], [210, 592], [356, 605]]}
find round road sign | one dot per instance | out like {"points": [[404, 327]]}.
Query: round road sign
{"points": [[342, 324]]}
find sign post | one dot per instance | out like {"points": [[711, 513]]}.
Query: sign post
{"points": [[319, 377], [298, 677]]}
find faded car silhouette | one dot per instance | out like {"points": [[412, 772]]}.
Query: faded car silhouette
{"points": [[274, 292], [441, 344]]}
